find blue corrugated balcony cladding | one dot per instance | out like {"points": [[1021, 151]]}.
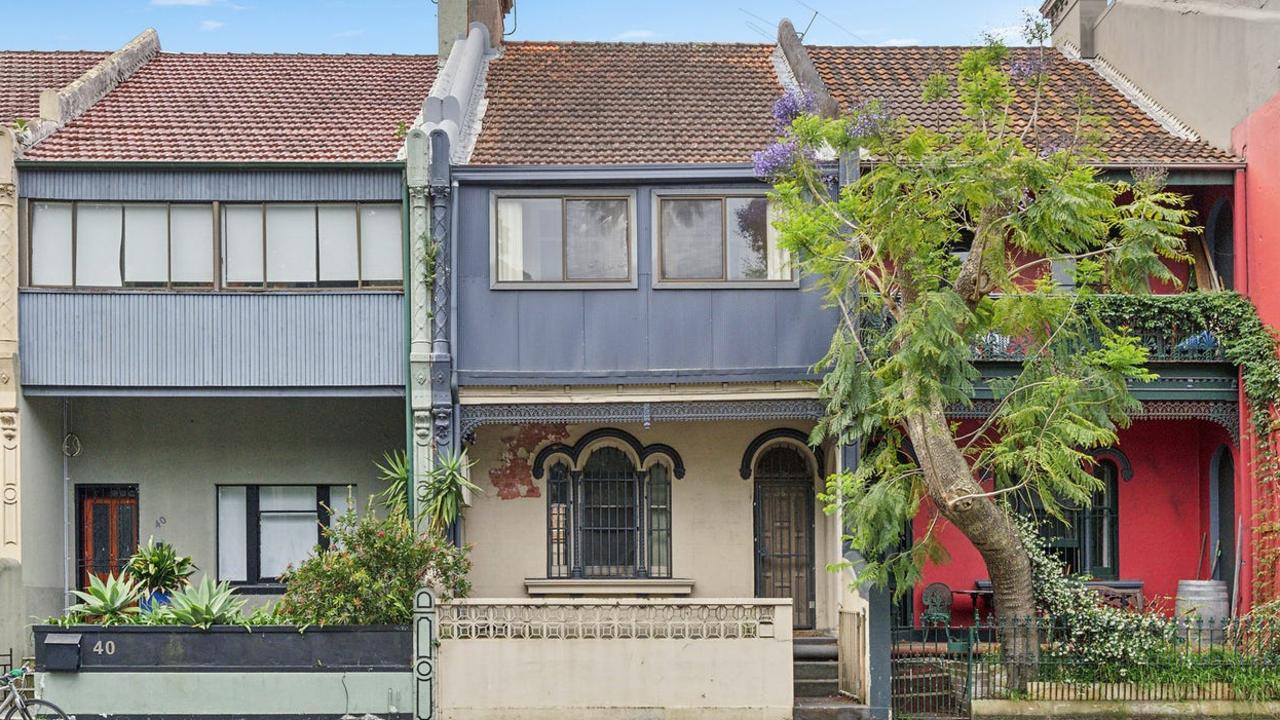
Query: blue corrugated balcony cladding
{"points": [[212, 342], [639, 334]]}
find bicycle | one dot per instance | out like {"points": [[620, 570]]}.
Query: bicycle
{"points": [[16, 707]]}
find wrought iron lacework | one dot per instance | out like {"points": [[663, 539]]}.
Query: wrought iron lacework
{"points": [[606, 621]]}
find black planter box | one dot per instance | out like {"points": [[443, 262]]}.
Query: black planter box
{"points": [[274, 648]]}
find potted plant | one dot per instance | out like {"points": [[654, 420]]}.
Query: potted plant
{"points": [[160, 571]]}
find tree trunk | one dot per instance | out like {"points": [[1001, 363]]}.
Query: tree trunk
{"points": [[962, 501]]}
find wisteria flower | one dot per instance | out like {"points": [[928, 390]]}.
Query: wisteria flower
{"points": [[774, 159], [1027, 69], [791, 106], [869, 118]]}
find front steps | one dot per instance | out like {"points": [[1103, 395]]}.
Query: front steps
{"points": [[817, 685]]}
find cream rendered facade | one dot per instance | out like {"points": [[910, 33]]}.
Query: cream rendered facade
{"points": [[713, 529]]}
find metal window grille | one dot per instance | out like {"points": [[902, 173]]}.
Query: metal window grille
{"points": [[608, 520]]}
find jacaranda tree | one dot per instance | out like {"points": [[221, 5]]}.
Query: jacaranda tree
{"points": [[944, 244]]}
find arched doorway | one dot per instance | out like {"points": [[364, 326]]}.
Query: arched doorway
{"points": [[1222, 516], [784, 533]]}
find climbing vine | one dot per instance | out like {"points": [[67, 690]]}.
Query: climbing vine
{"points": [[1249, 344]]}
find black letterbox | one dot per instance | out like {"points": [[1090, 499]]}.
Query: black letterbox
{"points": [[62, 652]]}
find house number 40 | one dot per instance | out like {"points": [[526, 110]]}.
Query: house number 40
{"points": [[105, 648]]}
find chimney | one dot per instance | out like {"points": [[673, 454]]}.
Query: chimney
{"points": [[1073, 22], [453, 17]]}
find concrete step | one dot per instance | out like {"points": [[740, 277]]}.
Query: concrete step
{"points": [[816, 670], [814, 648], [816, 688], [829, 708]]}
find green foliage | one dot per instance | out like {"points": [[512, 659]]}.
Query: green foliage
{"points": [[202, 605], [158, 568], [443, 491], [370, 573], [113, 601], [393, 471], [946, 242]]}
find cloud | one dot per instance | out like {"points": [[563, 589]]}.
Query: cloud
{"points": [[197, 3], [211, 25], [349, 33], [633, 35], [899, 42]]}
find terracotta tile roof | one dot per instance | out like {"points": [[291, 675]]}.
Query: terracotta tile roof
{"points": [[247, 107], [633, 103], [627, 103], [895, 76], [24, 74]]}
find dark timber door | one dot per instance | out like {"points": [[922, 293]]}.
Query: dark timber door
{"points": [[108, 529], [784, 530]]}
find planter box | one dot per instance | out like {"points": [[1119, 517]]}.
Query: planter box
{"points": [[177, 672]]}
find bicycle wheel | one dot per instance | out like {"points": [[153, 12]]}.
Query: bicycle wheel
{"points": [[36, 710]]}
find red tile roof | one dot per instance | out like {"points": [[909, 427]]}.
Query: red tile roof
{"points": [[895, 76], [627, 103], [630, 103], [246, 107], [24, 74]]}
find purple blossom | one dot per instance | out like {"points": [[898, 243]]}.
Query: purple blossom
{"points": [[1027, 69], [791, 106], [869, 118], [774, 159]]}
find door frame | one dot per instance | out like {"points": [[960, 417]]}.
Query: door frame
{"points": [[809, 622], [85, 492]]}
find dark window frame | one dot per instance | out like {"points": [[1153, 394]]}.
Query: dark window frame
{"points": [[253, 528], [1072, 539]]}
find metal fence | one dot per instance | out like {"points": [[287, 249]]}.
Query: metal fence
{"points": [[940, 671]]}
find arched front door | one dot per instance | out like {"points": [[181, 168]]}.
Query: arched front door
{"points": [[784, 497]]}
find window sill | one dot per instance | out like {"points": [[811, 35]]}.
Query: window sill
{"points": [[265, 588], [611, 586]]}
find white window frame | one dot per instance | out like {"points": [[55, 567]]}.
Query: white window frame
{"points": [[655, 224], [604, 193]]}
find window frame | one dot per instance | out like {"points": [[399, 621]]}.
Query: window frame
{"points": [[602, 193], [253, 529], [27, 212], [566, 559], [721, 194]]}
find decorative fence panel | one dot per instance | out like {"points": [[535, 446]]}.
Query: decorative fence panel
{"points": [[603, 658]]}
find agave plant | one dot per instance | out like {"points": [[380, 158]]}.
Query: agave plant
{"points": [[159, 569], [202, 605], [442, 493], [110, 601]]}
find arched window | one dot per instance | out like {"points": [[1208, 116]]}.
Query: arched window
{"points": [[1087, 541], [610, 519]]}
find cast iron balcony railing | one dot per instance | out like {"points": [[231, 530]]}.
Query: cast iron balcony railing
{"points": [[1192, 345]]}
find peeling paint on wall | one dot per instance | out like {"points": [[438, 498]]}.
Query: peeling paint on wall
{"points": [[513, 473]]}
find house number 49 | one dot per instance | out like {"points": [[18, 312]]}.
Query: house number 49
{"points": [[105, 648]]}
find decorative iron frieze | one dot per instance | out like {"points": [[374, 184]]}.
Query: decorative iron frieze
{"points": [[1222, 412], [641, 413]]}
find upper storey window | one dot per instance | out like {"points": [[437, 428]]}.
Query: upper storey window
{"points": [[721, 240], [578, 240], [303, 245], [213, 245], [121, 245]]}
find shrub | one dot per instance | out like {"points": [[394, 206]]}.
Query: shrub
{"points": [[370, 573], [158, 568]]}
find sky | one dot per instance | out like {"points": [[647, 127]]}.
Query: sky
{"points": [[408, 26]]}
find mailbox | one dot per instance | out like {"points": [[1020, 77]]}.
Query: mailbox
{"points": [[62, 652]]}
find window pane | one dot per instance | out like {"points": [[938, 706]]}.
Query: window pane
{"points": [[98, 245], [242, 243], [232, 556], [529, 242], [286, 539], [380, 256], [692, 244], [146, 244], [341, 501], [339, 257], [596, 234], [753, 243], [287, 497], [659, 522], [51, 244], [291, 243], [191, 244]]}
